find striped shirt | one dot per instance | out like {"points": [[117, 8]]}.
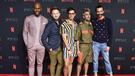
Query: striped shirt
{"points": [[70, 31]]}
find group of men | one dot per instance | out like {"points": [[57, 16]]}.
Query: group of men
{"points": [[65, 40]]}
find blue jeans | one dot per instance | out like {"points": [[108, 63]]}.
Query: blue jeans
{"points": [[97, 48]]}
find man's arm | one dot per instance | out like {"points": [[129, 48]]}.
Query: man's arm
{"points": [[91, 28], [45, 36], [25, 31], [77, 38], [64, 36], [110, 32]]}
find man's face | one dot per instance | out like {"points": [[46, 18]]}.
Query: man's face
{"points": [[55, 14], [37, 9], [86, 16], [100, 12], [71, 14]]}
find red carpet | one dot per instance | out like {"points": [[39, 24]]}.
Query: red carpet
{"points": [[72, 75]]}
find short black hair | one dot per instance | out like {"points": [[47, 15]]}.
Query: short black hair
{"points": [[37, 2], [54, 8], [70, 8], [99, 6], [86, 10]]}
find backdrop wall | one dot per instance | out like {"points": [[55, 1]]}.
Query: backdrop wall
{"points": [[13, 56]]}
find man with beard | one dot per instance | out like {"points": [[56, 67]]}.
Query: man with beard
{"points": [[102, 40], [52, 40], [32, 31], [84, 42]]}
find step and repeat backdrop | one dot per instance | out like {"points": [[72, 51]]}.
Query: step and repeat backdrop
{"points": [[13, 54]]}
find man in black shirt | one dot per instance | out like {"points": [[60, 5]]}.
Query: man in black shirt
{"points": [[102, 39]]}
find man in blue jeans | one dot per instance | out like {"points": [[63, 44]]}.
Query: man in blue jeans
{"points": [[102, 40]]}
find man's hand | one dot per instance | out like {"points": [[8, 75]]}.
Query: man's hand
{"points": [[80, 56], [51, 49], [107, 49], [78, 52]]}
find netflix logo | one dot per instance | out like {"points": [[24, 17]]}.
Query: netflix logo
{"points": [[122, 12], [0, 57], [122, 20], [133, 40], [12, 57], [121, 40], [14, 66], [118, 67], [12, 38], [133, 58], [120, 49], [13, 48], [121, 30], [11, 9], [13, 19], [12, 29]]}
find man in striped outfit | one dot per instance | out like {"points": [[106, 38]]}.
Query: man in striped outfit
{"points": [[68, 29]]}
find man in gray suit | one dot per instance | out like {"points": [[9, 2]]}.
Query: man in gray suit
{"points": [[32, 31]]}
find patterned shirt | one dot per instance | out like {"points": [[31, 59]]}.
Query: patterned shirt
{"points": [[70, 30], [102, 30]]}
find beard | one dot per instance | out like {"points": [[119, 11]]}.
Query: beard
{"points": [[87, 20], [54, 19], [99, 15], [36, 14]]}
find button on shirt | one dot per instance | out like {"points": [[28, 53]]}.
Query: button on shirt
{"points": [[37, 25], [102, 30]]}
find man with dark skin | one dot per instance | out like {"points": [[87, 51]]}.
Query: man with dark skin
{"points": [[32, 31]]}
